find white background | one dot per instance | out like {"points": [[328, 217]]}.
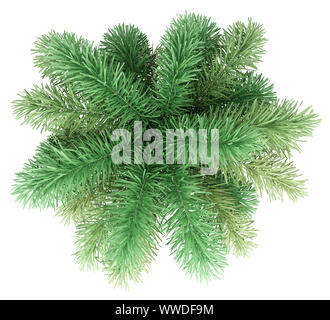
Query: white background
{"points": [[292, 260]]}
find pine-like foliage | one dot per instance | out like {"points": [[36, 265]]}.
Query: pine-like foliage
{"points": [[199, 77]]}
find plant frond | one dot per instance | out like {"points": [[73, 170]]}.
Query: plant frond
{"points": [[130, 47], [92, 235], [237, 141], [61, 170], [195, 240], [65, 58], [75, 209], [240, 50], [242, 45], [283, 178], [185, 44], [59, 110], [245, 88], [134, 239], [252, 87], [281, 123], [235, 205]]}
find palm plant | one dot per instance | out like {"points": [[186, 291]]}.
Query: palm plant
{"points": [[200, 76]]}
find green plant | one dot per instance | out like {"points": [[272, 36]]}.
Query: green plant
{"points": [[200, 76]]}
